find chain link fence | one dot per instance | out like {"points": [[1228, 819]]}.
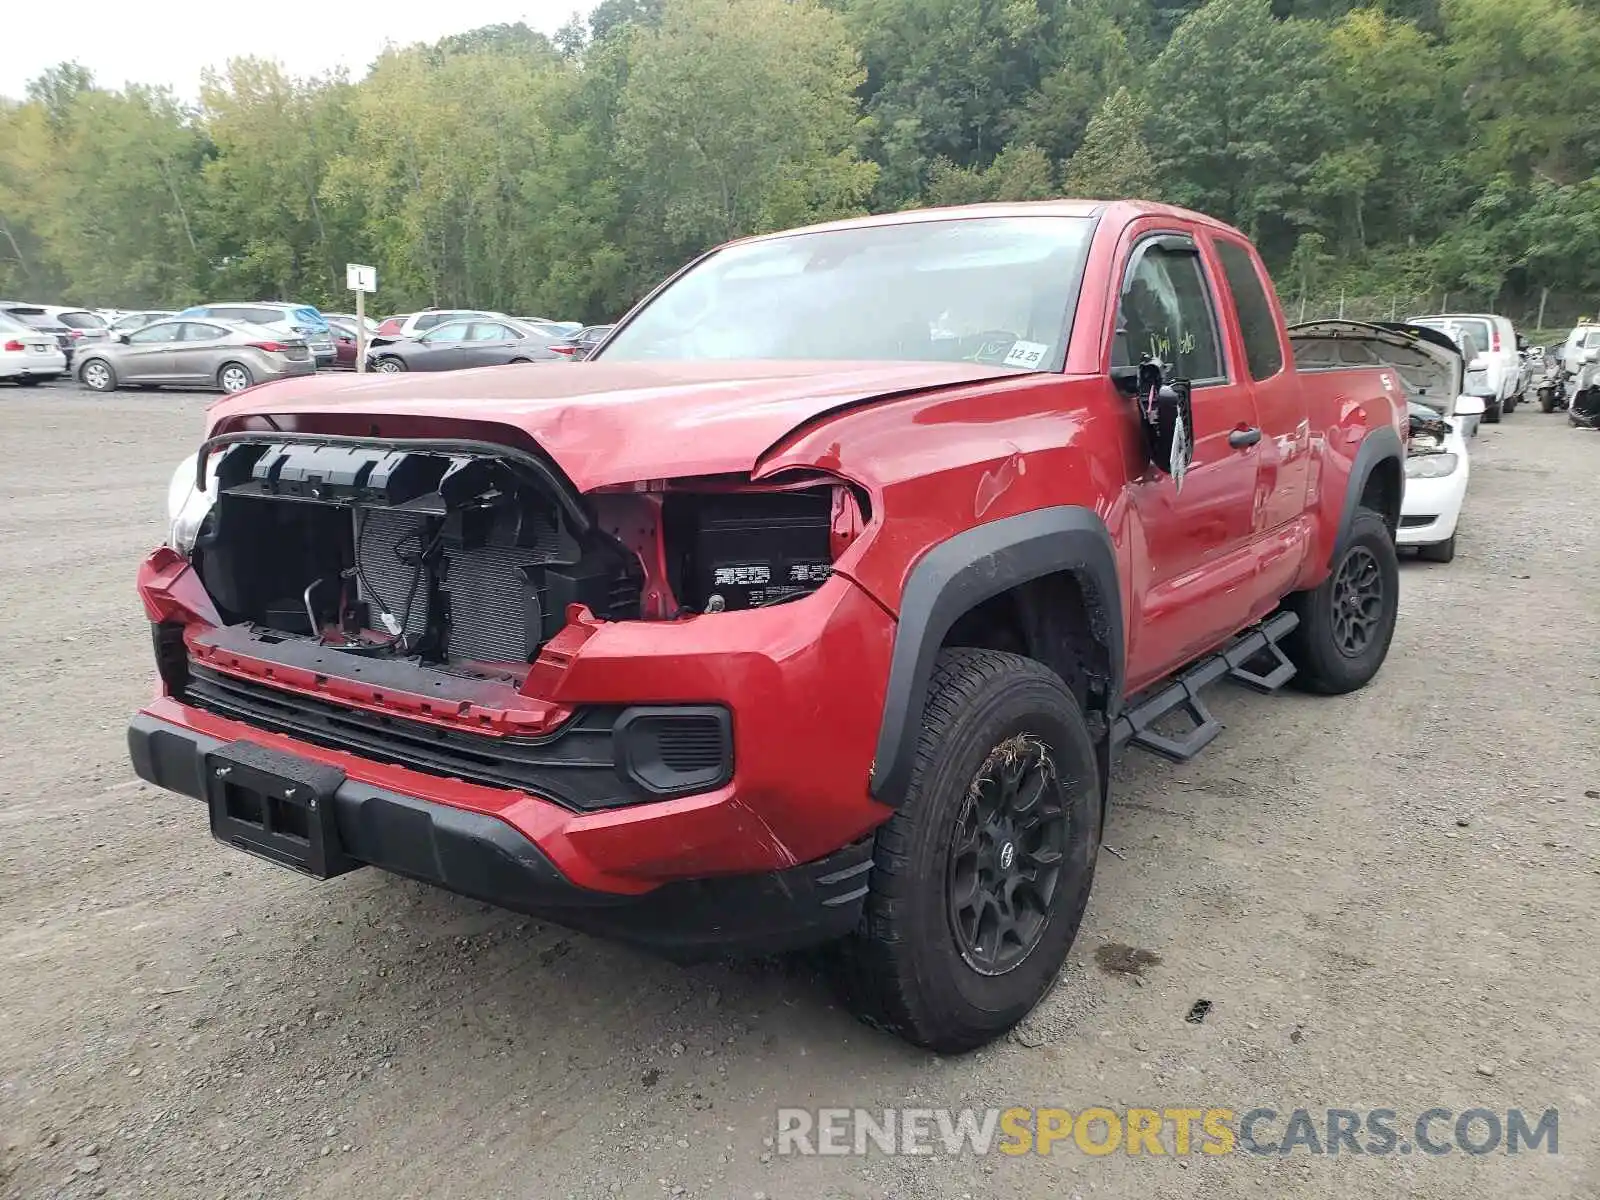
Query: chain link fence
{"points": [[1541, 317]]}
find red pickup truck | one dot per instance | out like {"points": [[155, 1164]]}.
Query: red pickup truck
{"points": [[811, 609]]}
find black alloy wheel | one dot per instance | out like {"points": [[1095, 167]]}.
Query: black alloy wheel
{"points": [[1006, 857], [1358, 609]]}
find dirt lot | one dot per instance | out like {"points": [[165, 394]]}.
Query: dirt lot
{"points": [[1389, 899]]}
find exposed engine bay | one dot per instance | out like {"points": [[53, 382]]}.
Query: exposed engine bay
{"points": [[473, 556], [1428, 431]]}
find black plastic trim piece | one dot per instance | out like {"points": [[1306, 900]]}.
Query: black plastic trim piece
{"points": [[579, 765], [489, 860], [546, 473], [1136, 726], [638, 735], [1379, 444], [961, 573]]}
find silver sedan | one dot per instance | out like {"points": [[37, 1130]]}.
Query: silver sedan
{"points": [[228, 355]]}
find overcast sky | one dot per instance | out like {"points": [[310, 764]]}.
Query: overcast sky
{"points": [[169, 42]]}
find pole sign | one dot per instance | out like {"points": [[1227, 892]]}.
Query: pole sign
{"points": [[361, 280]]}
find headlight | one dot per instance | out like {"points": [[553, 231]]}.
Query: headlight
{"points": [[1431, 466], [187, 505]]}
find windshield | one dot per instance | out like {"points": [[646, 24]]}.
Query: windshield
{"points": [[984, 289]]}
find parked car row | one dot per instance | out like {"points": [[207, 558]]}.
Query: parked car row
{"points": [[234, 345]]}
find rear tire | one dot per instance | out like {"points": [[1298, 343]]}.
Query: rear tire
{"points": [[975, 898], [96, 375], [1347, 623], [1439, 552], [29, 380], [1547, 402], [1491, 413]]}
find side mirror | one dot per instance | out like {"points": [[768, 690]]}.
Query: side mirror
{"points": [[123, 338], [1470, 406], [1165, 415], [1126, 380]]}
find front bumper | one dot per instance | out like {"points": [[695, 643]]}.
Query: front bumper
{"points": [[803, 684], [487, 859], [1432, 508]]}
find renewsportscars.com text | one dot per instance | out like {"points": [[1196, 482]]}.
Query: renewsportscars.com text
{"points": [[1175, 1131]]}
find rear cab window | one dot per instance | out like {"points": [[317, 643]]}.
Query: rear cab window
{"points": [[80, 320], [1258, 321]]}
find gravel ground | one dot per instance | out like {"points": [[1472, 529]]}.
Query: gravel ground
{"points": [[1390, 900]]}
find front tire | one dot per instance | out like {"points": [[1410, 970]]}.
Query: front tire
{"points": [[981, 878], [96, 375], [391, 366], [1347, 623], [1439, 552], [1491, 413]]}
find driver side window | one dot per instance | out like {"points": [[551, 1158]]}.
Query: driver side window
{"points": [[1166, 313]]}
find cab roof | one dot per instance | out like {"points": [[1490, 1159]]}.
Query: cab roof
{"points": [[1126, 209]]}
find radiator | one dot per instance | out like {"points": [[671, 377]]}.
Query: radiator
{"points": [[489, 589]]}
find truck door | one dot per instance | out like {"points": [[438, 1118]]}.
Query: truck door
{"points": [[1283, 464], [1198, 540]]}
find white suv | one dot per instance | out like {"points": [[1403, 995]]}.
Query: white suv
{"points": [[1581, 347], [1496, 339]]}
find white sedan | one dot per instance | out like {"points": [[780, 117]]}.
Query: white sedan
{"points": [[26, 354], [1437, 468]]}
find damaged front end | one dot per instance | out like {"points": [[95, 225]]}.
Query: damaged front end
{"points": [[471, 557], [1427, 431], [452, 553], [1584, 410], [427, 604]]}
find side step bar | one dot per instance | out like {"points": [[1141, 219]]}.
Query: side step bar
{"points": [[1136, 725]]}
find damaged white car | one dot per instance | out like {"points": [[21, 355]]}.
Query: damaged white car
{"points": [[1445, 402]]}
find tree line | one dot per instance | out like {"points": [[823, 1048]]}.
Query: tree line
{"points": [[1397, 149]]}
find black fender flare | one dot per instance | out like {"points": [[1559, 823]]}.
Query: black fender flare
{"points": [[1378, 446], [957, 575]]}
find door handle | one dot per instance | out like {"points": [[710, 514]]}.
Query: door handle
{"points": [[1239, 439]]}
